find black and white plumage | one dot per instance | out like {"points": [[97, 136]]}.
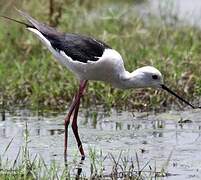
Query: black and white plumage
{"points": [[78, 47], [91, 59], [87, 57]]}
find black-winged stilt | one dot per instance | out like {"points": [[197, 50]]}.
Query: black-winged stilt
{"points": [[91, 59]]}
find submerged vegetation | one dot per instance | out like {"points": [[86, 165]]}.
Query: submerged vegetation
{"points": [[30, 77], [30, 166]]}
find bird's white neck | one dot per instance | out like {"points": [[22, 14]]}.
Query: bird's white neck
{"points": [[140, 78], [127, 80]]}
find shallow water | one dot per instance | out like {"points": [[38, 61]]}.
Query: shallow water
{"points": [[186, 11], [153, 137]]}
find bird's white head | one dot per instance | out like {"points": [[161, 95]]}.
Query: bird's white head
{"points": [[146, 76]]}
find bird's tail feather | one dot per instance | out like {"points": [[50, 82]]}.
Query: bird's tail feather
{"points": [[33, 23], [43, 28], [17, 21]]}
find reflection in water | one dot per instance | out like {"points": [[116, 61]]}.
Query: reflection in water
{"points": [[37, 131], [3, 115], [3, 133], [153, 136], [157, 134], [56, 131], [158, 124], [118, 126]]}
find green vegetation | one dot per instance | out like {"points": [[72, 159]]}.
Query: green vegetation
{"points": [[30, 77]]}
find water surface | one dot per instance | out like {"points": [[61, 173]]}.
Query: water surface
{"points": [[152, 136], [186, 11]]}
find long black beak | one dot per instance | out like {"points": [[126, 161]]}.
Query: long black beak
{"points": [[171, 92]]}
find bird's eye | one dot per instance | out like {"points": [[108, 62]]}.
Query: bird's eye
{"points": [[154, 76]]}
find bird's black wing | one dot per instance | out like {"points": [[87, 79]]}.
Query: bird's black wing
{"points": [[78, 47]]}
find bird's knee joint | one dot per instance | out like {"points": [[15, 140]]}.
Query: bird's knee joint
{"points": [[74, 126]]}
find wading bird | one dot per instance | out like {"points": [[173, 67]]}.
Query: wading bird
{"points": [[91, 59]]}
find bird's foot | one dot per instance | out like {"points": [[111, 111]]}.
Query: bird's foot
{"points": [[82, 158]]}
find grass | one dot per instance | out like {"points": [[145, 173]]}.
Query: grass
{"points": [[30, 77]]}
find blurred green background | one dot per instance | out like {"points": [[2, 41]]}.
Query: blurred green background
{"points": [[31, 78]]}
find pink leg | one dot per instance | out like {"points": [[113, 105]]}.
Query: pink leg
{"points": [[75, 127], [73, 106], [66, 123], [75, 131]]}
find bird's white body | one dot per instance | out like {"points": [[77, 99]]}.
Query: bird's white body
{"points": [[109, 68]]}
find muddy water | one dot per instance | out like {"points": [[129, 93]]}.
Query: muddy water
{"points": [[153, 137]]}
